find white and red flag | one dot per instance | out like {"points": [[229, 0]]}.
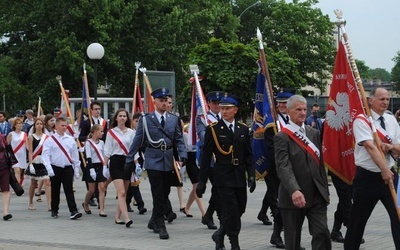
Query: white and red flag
{"points": [[344, 105]]}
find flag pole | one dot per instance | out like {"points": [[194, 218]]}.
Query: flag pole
{"points": [[148, 87], [340, 23], [39, 108], [87, 96], [268, 83], [135, 88], [64, 96], [194, 69]]}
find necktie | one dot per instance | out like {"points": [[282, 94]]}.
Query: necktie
{"points": [[217, 116], [231, 128], [162, 121], [302, 130], [382, 122]]}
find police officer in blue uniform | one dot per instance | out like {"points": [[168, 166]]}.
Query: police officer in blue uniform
{"points": [[229, 141], [160, 131]]}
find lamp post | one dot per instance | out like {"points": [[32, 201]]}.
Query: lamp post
{"points": [[251, 6], [95, 52]]}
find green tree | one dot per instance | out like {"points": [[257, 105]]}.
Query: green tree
{"points": [[380, 73], [297, 28], [395, 74], [363, 69]]}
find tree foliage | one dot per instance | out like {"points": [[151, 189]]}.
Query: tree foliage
{"points": [[395, 74]]}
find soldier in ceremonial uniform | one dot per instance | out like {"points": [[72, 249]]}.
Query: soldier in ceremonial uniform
{"points": [[160, 131], [229, 141]]}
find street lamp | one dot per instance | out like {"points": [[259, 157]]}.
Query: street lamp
{"points": [[254, 4], [95, 52]]}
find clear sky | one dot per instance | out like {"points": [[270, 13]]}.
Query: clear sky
{"points": [[373, 28]]}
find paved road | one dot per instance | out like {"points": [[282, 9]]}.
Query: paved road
{"points": [[37, 230]]}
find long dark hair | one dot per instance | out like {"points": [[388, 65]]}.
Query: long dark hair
{"points": [[114, 122]]}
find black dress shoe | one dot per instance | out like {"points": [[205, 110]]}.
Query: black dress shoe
{"points": [[129, 223], [337, 236], [142, 210], [209, 223], [171, 217], [277, 241], [7, 217], [93, 203], [162, 232], [129, 209], [86, 211], [265, 220]]}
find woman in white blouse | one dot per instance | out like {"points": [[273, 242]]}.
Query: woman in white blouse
{"points": [[17, 139], [118, 142]]}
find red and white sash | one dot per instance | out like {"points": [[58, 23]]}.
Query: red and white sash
{"points": [[123, 147], [382, 134], [70, 130], [62, 149], [39, 147], [93, 144], [302, 140], [21, 143]]}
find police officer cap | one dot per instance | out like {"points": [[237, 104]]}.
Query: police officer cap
{"points": [[284, 94], [229, 100], [56, 110], [214, 96], [20, 113], [160, 93]]}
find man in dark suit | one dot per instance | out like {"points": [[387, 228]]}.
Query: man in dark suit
{"points": [[160, 131], [5, 126], [229, 141], [303, 190]]}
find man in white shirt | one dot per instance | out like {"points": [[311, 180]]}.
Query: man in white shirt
{"points": [[374, 171], [61, 159]]}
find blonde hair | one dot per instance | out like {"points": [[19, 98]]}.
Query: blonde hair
{"points": [[95, 127]]}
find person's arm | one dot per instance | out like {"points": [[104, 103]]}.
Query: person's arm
{"points": [[9, 138], [29, 143]]}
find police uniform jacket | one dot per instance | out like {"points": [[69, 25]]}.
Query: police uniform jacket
{"points": [[230, 168], [158, 156]]}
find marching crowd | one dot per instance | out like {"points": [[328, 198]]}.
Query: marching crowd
{"points": [[50, 150]]}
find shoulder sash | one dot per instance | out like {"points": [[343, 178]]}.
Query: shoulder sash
{"points": [[97, 151], [22, 142], [62, 149], [39, 147], [382, 134], [303, 141], [115, 136]]}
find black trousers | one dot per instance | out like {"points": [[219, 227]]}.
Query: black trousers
{"points": [[64, 176], [369, 188], [233, 205], [345, 194], [160, 189], [134, 192]]}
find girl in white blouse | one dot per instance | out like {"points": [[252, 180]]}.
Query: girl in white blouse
{"points": [[118, 142]]}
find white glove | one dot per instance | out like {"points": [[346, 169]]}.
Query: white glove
{"points": [[77, 174], [81, 149], [50, 172], [31, 169], [138, 170], [76, 135], [106, 172], [93, 173]]}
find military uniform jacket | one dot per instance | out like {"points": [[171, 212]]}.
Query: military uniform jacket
{"points": [[155, 157], [297, 170], [226, 172]]}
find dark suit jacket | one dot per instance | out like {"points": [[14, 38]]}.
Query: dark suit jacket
{"points": [[298, 170], [85, 127], [226, 174]]}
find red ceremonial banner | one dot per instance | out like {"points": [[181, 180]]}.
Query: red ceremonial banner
{"points": [[344, 105]]}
